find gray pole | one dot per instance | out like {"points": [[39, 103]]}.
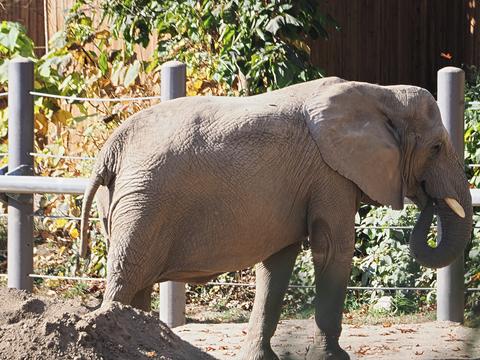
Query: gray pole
{"points": [[20, 145], [450, 279], [172, 294]]}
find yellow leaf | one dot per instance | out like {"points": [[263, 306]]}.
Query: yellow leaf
{"points": [[197, 84], [74, 233], [104, 34], [41, 124], [61, 117], [60, 223]]}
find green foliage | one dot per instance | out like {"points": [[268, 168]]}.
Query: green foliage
{"points": [[13, 43], [245, 46], [301, 298], [382, 256], [472, 157], [382, 259]]}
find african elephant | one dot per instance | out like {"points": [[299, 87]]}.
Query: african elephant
{"points": [[199, 186]]}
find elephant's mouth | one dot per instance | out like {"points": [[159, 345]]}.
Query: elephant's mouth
{"points": [[420, 198]]}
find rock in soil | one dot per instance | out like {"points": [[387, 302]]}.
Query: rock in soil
{"points": [[34, 327]]}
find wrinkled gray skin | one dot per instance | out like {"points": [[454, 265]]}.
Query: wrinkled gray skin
{"points": [[199, 186]]}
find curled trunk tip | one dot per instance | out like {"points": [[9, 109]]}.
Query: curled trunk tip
{"points": [[453, 235]]}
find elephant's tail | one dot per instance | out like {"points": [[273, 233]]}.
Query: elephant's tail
{"points": [[88, 196]]}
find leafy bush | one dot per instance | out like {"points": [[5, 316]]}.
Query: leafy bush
{"points": [[472, 157], [244, 46]]}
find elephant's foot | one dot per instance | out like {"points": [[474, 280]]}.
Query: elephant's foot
{"points": [[256, 351], [316, 352]]}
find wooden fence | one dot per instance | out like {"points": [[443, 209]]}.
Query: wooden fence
{"points": [[399, 41], [380, 41]]}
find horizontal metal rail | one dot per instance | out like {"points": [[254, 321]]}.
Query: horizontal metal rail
{"points": [[65, 157], [54, 217], [214, 283], [41, 184], [76, 98]]}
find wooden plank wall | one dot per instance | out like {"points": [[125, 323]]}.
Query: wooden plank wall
{"points": [[402, 41], [30, 13], [381, 41], [56, 13]]}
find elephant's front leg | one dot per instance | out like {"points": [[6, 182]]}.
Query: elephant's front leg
{"points": [[332, 251], [272, 278]]}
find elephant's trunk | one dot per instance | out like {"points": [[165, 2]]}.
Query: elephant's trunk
{"points": [[454, 233]]}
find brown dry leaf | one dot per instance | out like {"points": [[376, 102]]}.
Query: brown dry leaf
{"points": [[151, 354], [210, 348], [452, 338], [387, 333], [387, 324], [475, 277], [406, 331], [363, 350]]}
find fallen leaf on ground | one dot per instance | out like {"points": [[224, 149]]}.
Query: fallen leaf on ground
{"points": [[362, 350], [405, 331], [387, 333]]}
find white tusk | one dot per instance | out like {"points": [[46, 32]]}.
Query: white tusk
{"points": [[455, 206]]}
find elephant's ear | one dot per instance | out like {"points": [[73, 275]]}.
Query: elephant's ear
{"points": [[358, 141]]}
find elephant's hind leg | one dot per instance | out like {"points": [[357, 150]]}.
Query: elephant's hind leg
{"points": [[272, 277], [133, 263]]}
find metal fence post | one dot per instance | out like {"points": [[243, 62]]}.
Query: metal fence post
{"points": [[450, 279], [172, 294], [20, 162]]}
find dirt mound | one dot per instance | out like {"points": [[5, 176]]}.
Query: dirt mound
{"points": [[32, 327]]}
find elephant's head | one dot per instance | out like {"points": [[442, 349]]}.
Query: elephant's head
{"points": [[391, 143]]}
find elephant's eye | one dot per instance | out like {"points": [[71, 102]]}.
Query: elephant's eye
{"points": [[436, 148]]}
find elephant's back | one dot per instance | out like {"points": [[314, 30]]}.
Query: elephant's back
{"points": [[212, 129]]}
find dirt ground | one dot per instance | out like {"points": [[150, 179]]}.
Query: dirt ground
{"points": [[431, 340], [36, 327]]}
